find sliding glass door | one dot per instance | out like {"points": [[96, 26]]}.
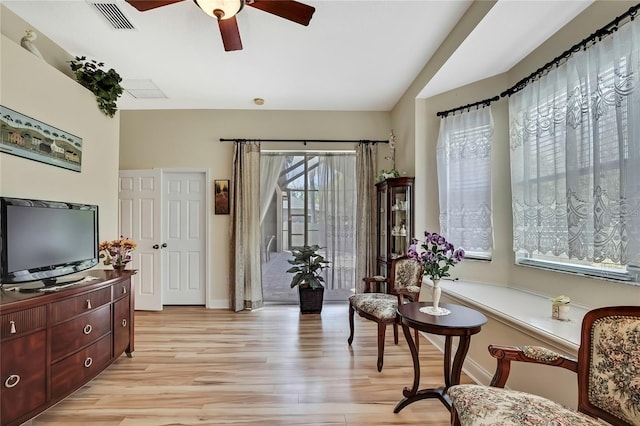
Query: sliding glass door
{"points": [[313, 202]]}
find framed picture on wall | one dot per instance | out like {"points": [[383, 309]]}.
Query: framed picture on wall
{"points": [[26, 137], [221, 196]]}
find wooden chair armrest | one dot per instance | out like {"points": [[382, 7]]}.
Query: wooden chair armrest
{"points": [[533, 354], [368, 281], [405, 296]]}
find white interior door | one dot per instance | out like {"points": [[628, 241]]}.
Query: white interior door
{"points": [[140, 211], [184, 202]]}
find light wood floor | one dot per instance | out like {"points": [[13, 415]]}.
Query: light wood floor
{"points": [[194, 366]]}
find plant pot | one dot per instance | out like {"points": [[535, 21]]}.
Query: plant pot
{"points": [[560, 311], [119, 267], [311, 300]]}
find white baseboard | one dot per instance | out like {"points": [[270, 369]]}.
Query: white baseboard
{"points": [[218, 304], [470, 367]]}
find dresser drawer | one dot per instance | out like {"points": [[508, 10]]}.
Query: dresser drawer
{"points": [[22, 322], [73, 306], [23, 383], [72, 335], [73, 371], [121, 289], [121, 326]]}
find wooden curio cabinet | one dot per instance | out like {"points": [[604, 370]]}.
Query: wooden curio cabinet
{"points": [[395, 220]]}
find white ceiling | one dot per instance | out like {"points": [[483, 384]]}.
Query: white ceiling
{"points": [[358, 55]]}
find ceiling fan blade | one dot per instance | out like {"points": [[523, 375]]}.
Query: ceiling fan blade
{"points": [[143, 5], [230, 34], [287, 9]]}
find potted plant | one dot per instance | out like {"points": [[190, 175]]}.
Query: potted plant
{"points": [[117, 252], [104, 84], [307, 266], [560, 307]]}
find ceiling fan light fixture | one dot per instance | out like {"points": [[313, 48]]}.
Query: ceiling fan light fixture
{"points": [[220, 9]]}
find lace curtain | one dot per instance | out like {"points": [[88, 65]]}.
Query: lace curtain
{"points": [[464, 180], [337, 209], [575, 156], [270, 169]]}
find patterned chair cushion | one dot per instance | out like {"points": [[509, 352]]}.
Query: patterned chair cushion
{"points": [[490, 406], [539, 353], [380, 305], [408, 273], [614, 369]]}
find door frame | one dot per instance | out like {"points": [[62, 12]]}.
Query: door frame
{"points": [[159, 172]]}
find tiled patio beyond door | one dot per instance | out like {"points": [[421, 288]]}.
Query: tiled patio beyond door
{"points": [[276, 283]]}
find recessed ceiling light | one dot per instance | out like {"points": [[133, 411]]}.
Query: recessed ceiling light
{"points": [[258, 101]]}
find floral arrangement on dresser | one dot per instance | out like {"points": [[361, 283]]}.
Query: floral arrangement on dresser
{"points": [[117, 252]]}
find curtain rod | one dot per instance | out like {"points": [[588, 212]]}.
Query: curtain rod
{"points": [[485, 102], [608, 29], [304, 141]]}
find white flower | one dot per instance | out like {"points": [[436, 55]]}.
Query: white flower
{"points": [[561, 300]]}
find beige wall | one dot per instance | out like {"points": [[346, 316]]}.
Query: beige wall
{"points": [[502, 270], [407, 124], [14, 28], [32, 87], [587, 291], [190, 139]]}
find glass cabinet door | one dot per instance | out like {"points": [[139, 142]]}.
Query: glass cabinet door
{"points": [[395, 220], [400, 221], [382, 225]]}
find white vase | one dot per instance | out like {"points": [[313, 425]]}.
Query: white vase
{"points": [[560, 311], [435, 294], [435, 309], [563, 313]]}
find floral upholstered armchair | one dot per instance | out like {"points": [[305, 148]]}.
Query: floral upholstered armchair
{"points": [[404, 284], [608, 369]]}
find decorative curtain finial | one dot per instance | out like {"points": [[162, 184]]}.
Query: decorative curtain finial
{"points": [[392, 150]]}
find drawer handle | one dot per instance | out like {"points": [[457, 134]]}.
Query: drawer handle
{"points": [[88, 362], [124, 290], [13, 327], [88, 303], [87, 329], [12, 380], [124, 323]]}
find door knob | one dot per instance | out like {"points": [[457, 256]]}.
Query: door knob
{"points": [[164, 245], [156, 247]]}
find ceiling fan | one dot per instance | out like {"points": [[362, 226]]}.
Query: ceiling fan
{"points": [[225, 12]]}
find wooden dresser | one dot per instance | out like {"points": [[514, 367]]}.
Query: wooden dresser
{"points": [[52, 343]]}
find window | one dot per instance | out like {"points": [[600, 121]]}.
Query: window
{"points": [[464, 181], [575, 159]]}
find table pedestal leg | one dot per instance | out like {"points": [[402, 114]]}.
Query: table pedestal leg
{"points": [[451, 373]]}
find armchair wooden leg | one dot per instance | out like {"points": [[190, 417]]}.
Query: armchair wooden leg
{"points": [[455, 421], [382, 328], [395, 333], [351, 312]]}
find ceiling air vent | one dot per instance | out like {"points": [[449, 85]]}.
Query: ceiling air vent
{"points": [[114, 15]]}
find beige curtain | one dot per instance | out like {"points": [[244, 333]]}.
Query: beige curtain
{"points": [[366, 160], [246, 274]]}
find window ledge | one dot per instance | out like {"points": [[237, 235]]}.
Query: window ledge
{"points": [[520, 309]]}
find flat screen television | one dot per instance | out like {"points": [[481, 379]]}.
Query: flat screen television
{"points": [[41, 241]]}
